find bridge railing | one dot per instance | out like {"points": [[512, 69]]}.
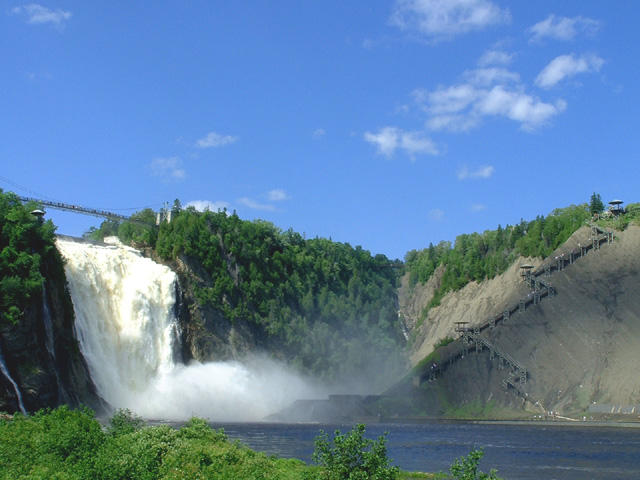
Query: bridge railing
{"points": [[82, 210]]}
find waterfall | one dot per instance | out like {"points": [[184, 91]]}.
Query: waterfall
{"points": [[126, 327], [49, 342], [7, 375], [48, 325]]}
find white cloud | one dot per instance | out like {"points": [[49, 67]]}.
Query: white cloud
{"points": [[277, 195], [454, 122], [214, 139], [485, 171], [566, 66], [249, 203], [168, 169], [478, 207], [318, 133], [484, 77], [37, 14], [531, 112], [440, 19], [203, 205], [562, 28], [448, 100], [484, 92], [390, 139], [415, 143], [495, 57], [436, 214], [386, 140]]}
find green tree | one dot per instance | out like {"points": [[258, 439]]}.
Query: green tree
{"points": [[466, 468], [124, 421], [596, 206], [353, 457], [285, 285], [25, 244]]}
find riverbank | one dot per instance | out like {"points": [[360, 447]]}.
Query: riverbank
{"points": [[559, 421]]}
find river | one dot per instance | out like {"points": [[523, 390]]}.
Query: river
{"points": [[128, 334], [517, 451]]}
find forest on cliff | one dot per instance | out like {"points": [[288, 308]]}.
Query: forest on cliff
{"points": [[333, 307], [329, 308], [326, 307], [25, 244], [480, 256]]}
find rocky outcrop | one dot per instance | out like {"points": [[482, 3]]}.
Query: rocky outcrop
{"points": [[45, 361], [579, 347], [206, 334], [474, 304]]}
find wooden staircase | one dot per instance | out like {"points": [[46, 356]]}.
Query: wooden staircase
{"points": [[469, 338]]}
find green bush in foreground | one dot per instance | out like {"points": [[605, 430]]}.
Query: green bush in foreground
{"points": [[353, 457], [466, 468], [64, 444]]}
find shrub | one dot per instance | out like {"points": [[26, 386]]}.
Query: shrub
{"points": [[353, 457], [124, 421], [466, 468]]}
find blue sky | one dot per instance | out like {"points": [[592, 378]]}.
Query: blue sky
{"points": [[386, 124]]}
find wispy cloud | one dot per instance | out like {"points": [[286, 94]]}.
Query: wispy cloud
{"points": [[485, 171], [390, 139], [318, 133], [252, 204], [562, 28], [443, 19], [566, 66], [168, 169], [214, 139], [436, 214], [203, 205], [484, 92], [277, 195], [495, 57], [272, 196], [478, 207], [38, 15]]}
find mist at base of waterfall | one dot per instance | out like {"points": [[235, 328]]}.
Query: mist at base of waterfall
{"points": [[232, 391]]}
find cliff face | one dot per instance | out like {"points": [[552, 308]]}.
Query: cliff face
{"points": [[578, 347], [46, 365], [474, 304], [206, 334]]}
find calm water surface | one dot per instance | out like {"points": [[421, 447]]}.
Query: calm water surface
{"points": [[544, 451]]}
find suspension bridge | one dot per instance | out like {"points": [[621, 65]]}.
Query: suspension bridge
{"points": [[75, 208], [163, 214]]}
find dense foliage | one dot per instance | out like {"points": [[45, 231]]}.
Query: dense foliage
{"points": [[331, 307], [65, 444], [25, 244], [353, 457], [467, 468], [478, 256], [139, 230]]}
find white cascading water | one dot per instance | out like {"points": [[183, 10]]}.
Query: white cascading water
{"points": [[50, 344], [128, 334], [5, 372]]}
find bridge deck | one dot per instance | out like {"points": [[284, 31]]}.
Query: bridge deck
{"points": [[76, 209]]}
